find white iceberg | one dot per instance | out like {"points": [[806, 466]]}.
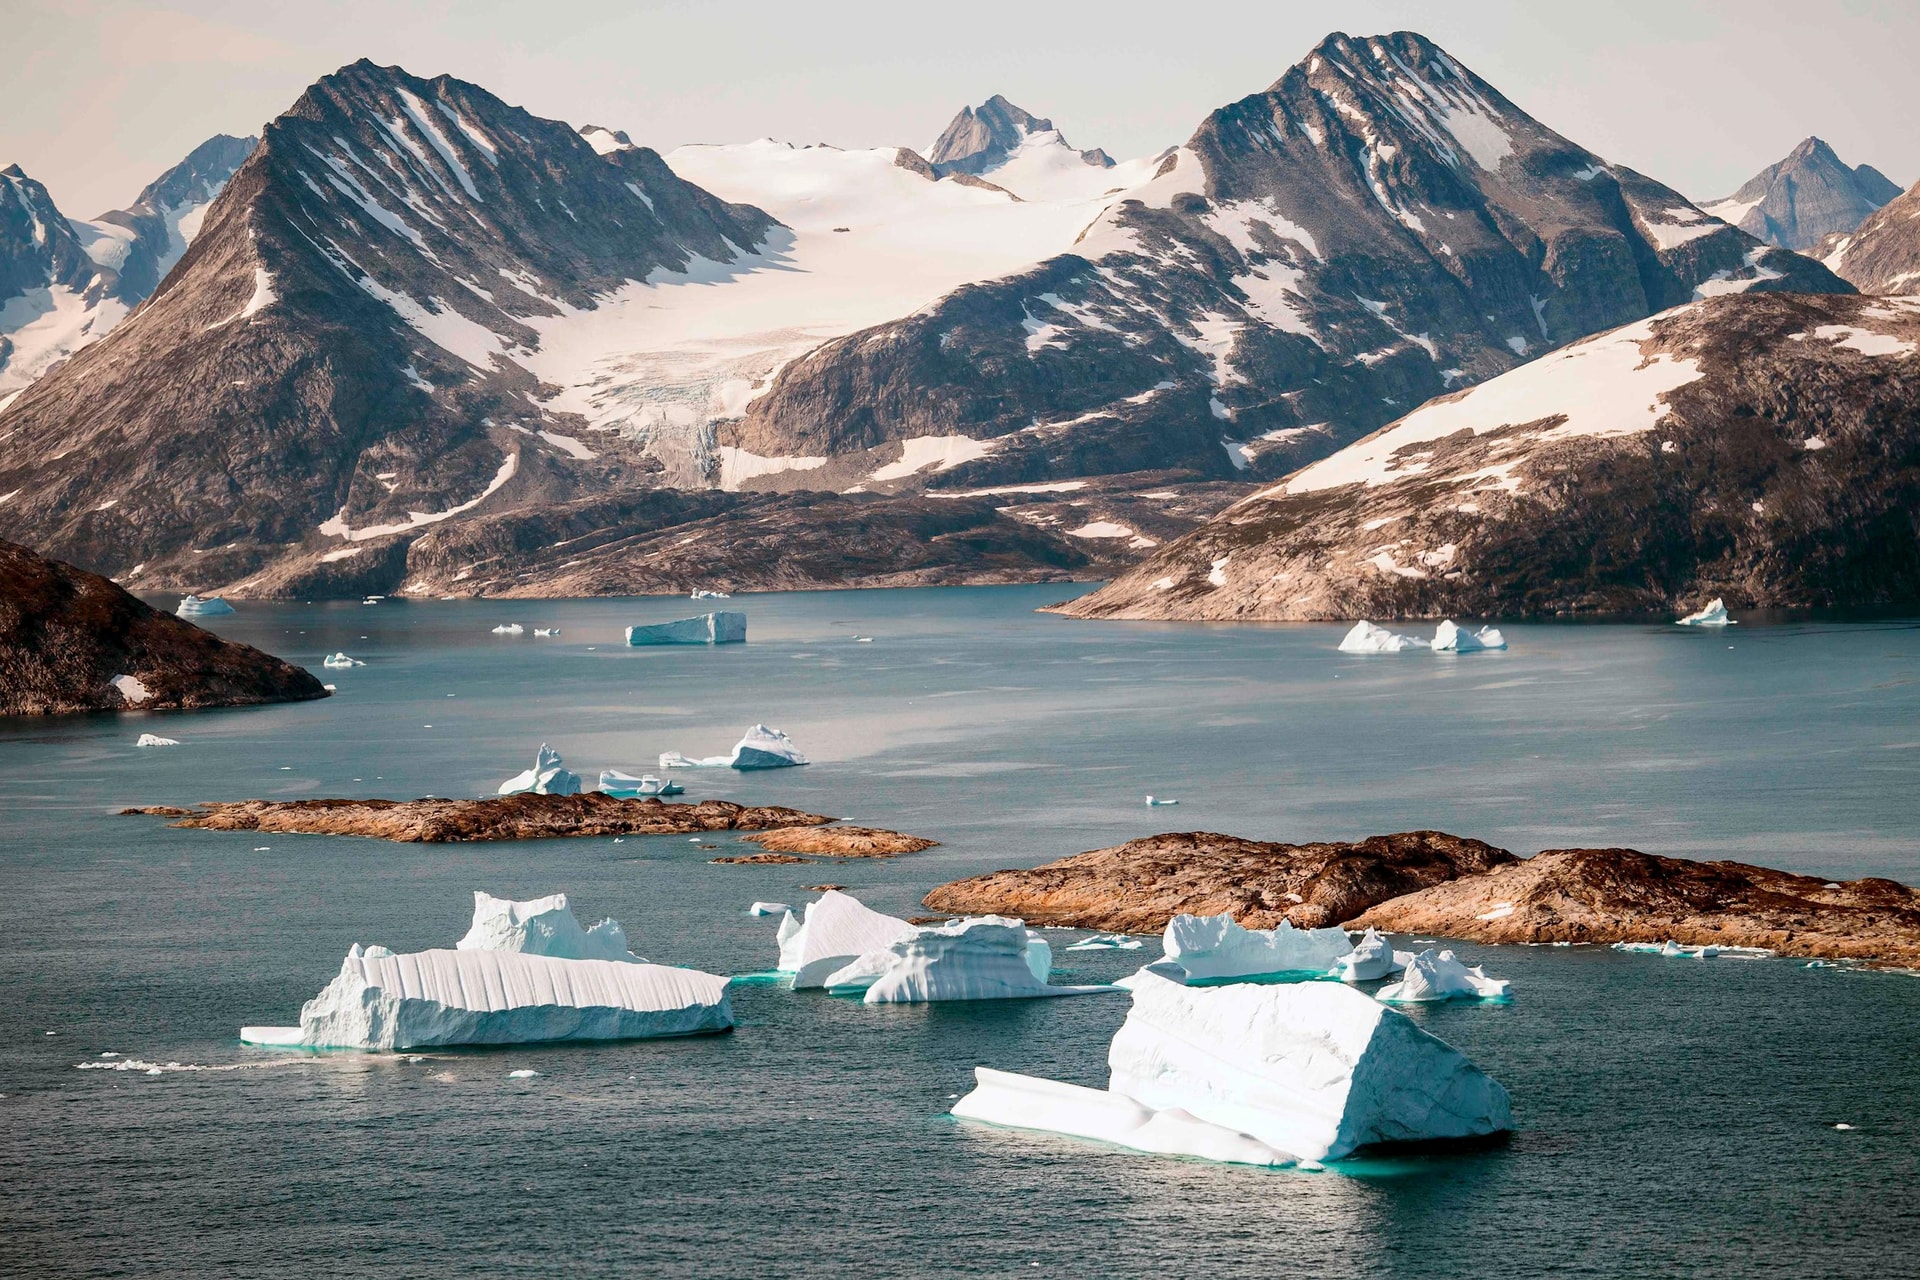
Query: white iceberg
{"points": [[1107, 942], [542, 927], [1316, 1069], [509, 629], [196, 607], [1671, 950], [1156, 803], [616, 783], [1029, 1102], [1373, 957], [708, 628], [547, 777], [448, 997], [1217, 947], [761, 748], [1714, 615], [984, 958], [700, 594], [769, 909], [837, 930], [1448, 637], [340, 661], [1367, 638], [1437, 975], [546, 631], [155, 740]]}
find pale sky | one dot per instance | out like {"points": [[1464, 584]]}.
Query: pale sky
{"points": [[97, 97]]}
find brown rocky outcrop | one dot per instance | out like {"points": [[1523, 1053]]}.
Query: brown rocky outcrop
{"points": [[1138, 886], [758, 859], [519, 817], [841, 842]]}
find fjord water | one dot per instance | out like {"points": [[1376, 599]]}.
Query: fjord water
{"points": [[1676, 1117]]}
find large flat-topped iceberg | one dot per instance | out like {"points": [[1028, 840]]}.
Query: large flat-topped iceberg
{"points": [[760, 748], [1217, 947], [1437, 975], [542, 927], [708, 628], [446, 997], [986, 958], [548, 777], [837, 929], [1314, 1068]]}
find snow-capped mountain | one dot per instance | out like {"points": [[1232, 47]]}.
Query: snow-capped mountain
{"points": [[983, 139], [65, 282], [1377, 228], [1882, 255], [1806, 197], [1759, 447]]}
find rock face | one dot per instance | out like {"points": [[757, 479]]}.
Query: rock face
{"points": [[1139, 886], [981, 138], [1377, 227], [1622, 895], [841, 842], [526, 816], [1806, 197], [1760, 448], [1882, 255], [72, 641]]}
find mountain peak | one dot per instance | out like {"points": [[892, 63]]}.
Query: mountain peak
{"points": [[1802, 199], [980, 138]]}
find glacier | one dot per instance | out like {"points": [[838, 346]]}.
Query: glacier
{"points": [[1372, 957], [1714, 615], [1367, 638], [1437, 975], [542, 927], [1217, 947], [1449, 637], [548, 777], [381, 1000], [836, 930], [760, 748], [708, 628], [982, 958], [196, 607]]}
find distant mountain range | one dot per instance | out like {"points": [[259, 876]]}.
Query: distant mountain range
{"points": [[426, 341], [1882, 254], [1810, 195]]}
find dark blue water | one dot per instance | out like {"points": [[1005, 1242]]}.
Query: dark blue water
{"points": [[1677, 1118]]}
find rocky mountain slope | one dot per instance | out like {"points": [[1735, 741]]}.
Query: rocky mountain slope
{"points": [[72, 641], [982, 139], [1378, 227], [65, 283], [1805, 198], [1764, 448], [1882, 255]]}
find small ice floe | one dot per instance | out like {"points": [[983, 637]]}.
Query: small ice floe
{"points": [[132, 691], [1106, 942], [1843, 1125], [1500, 911], [761, 748], [1673, 950], [708, 628], [340, 661], [1714, 615], [1372, 958], [331, 688], [546, 631], [1449, 637], [1367, 638], [863, 639], [373, 600], [702, 594], [155, 740], [1155, 802], [197, 607], [509, 629], [1202, 947], [769, 909], [548, 777], [524, 1073], [1437, 975], [625, 785]]}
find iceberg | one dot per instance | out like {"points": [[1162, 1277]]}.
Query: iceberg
{"points": [[1316, 1069], [542, 927], [1448, 637], [340, 661], [983, 958], [1372, 957], [837, 930], [1714, 615], [1437, 975], [708, 628], [1216, 947], [446, 997], [1107, 942], [1029, 1102], [547, 777], [769, 909], [616, 783], [700, 594], [1367, 638], [761, 748], [155, 740], [1671, 949], [509, 629], [546, 631], [196, 607], [1155, 803]]}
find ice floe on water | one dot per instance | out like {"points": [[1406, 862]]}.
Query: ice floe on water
{"points": [[524, 1073], [983, 958], [769, 909], [509, 629], [1367, 638], [760, 748], [548, 777], [542, 927], [340, 661], [548, 632], [155, 740], [1673, 950], [1107, 942], [1216, 947], [1450, 637], [615, 783], [1156, 802], [1437, 975], [197, 607], [1371, 959], [1714, 615], [708, 628]]}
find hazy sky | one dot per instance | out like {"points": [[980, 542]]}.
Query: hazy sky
{"points": [[99, 96]]}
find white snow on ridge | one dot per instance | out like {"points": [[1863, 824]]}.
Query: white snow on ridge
{"points": [[1865, 341], [46, 326], [337, 526], [942, 453], [738, 466]]}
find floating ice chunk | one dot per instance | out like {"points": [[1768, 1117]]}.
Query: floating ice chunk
{"points": [[1674, 950], [1436, 975], [132, 691], [1107, 942], [769, 909], [546, 631], [1155, 803], [542, 927], [984, 958], [1367, 638], [155, 740], [1313, 1068], [1216, 947], [837, 930], [1714, 615], [337, 661], [616, 783], [1029, 1102], [524, 1073], [1373, 957], [701, 594], [1450, 638], [509, 629], [761, 748], [196, 607], [547, 777], [447, 997], [708, 628]]}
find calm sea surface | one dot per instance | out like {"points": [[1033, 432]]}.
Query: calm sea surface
{"points": [[1676, 1118]]}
